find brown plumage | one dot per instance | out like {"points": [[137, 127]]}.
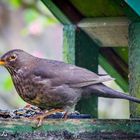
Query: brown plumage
{"points": [[51, 84]]}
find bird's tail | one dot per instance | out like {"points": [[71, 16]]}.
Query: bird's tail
{"points": [[104, 91]]}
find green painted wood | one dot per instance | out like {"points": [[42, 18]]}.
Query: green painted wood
{"points": [[71, 129], [135, 4], [98, 8], [69, 43], [86, 55], [109, 69], [122, 52], [134, 66], [79, 49], [56, 11]]}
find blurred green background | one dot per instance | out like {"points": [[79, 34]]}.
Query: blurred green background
{"points": [[29, 25]]}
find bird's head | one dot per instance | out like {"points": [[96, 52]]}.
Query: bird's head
{"points": [[15, 59]]}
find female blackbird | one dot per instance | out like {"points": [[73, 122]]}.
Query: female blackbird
{"points": [[54, 85]]}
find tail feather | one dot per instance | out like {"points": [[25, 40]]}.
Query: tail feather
{"points": [[104, 91]]}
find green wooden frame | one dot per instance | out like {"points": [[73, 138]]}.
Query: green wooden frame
{"points": [[71, 129]]}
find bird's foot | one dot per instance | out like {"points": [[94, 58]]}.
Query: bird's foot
{"points": [[76, 112], [31, 107], [67, 113], [27, 106], [45, 114]]}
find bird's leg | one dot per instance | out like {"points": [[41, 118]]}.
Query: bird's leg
{"points": [[27, 106], [40, 118], [65, 116]]}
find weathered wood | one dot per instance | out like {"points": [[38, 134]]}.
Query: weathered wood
{"points": [[71, 129], [107, 31], [134, 66], [69, 32]]}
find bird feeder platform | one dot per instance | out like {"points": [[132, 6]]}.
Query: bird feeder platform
{"points": [[21, 124], [70, 129]]}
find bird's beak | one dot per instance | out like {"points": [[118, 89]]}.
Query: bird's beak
{"points": [[2, 62]]}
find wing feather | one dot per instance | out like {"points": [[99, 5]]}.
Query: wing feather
{"points": [[61, 73]]}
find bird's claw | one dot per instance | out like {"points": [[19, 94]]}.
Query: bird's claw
{"points": [[41, 117]]}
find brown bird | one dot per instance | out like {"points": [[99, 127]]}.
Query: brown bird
{"points": [[54, 85]]}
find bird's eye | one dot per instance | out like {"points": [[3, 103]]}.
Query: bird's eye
{"points": [[13, 57]]}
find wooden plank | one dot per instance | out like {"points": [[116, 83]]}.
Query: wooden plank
{"points": [[107, 32], [72, 129], [69, 43], [134, 66]]}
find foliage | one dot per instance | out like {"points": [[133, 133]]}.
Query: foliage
{"points": [[36, 18]]}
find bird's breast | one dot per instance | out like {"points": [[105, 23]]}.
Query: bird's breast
{"points": [[22, 85], [30, 88]]}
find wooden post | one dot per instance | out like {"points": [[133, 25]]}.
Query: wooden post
{"points": [[134, 66], [80, 49]]}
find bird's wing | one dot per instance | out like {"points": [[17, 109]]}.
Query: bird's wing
{"points": [[91, 82], [61, 73]]}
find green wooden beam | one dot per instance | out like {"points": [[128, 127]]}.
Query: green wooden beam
{"points": [[107, 31], [71, 129], [122, 52], [56, 11], [109, 69], [80, 49], [69, 32], [134, 66]]}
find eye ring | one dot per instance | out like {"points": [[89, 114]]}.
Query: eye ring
{"points": [[12, 58]]}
